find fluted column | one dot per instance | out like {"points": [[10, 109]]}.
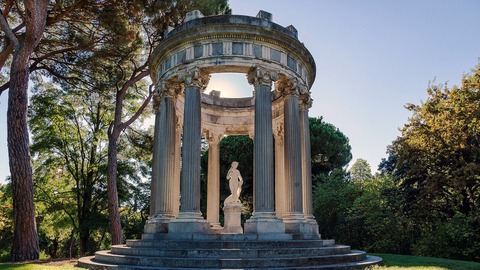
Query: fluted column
{"points": [[213, 185], [157, 102], [263, 219], [293, 166], [279, 171], [305, 104], [189, 219], [294, 218], [163, 169], [178, 160]]}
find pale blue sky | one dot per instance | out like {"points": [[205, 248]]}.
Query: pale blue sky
{"points": [[372, 58]]}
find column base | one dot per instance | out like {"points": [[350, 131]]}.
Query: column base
{"points": [[189, 222], [297, 225], [313, 222], [233, 212], [158, 224], [264, 223]]}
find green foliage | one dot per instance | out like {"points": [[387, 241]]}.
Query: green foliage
{"points": [[437, 161], [332, 200], [402, 262], [378, 209], [458, 237], [360, 171], [69, 128], [233, 148], [6, 221], [330, 148]]}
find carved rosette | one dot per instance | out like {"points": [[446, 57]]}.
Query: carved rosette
{"points": [[261, 76], [195, 77]]}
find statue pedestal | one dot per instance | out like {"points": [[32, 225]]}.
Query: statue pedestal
{"points": [[232, 212]]}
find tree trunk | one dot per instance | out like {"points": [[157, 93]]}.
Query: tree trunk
{"points": [[113, 213], [25, 239]]}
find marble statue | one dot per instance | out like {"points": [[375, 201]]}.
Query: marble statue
{"points": [[235, 182]]}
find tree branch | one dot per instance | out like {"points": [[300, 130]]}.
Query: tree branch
{"points": [[139, 111], [4, 87], [8, 31]]}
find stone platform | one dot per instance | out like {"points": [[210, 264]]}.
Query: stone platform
{"points": [[227, 251]]}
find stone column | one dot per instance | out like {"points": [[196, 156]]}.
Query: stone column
{"points": [[189, 219], [163, 169], [279, 171], [263, 220], [157, 102], [178, 161], [213, 185], [293, 218], [305, 104]]}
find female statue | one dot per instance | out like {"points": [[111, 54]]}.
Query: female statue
{"points": [[235, 183]]}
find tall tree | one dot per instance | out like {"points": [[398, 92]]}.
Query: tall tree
{"points": [[437, 160], [441, 147], [330, 148], [34, 17], [360, 171], [149, 23]]}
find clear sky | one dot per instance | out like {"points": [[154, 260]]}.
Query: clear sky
{"points": [[372, 56]]}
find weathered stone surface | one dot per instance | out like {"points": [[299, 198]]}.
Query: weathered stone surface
{"points": [[233, 212], [282, 72]]}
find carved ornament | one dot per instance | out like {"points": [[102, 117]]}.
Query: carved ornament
{"points": [[195, 77], [261, 76]]}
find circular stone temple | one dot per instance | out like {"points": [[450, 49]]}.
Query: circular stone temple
{"points": [[282, 232]]}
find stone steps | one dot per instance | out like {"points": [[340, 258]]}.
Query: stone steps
{"points": [[229, 254], [227, 263], [90, 263], [239, 244]]}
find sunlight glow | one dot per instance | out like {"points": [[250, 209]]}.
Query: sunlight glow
{"points": [[230, 85]]}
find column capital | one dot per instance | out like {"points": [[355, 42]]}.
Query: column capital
{"points": [[261, 76], [288, 86], [195, 77], [170, 89], [305, 102], [213, 138]]}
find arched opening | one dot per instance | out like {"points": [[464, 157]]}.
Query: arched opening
{"points": [[230, 85]]}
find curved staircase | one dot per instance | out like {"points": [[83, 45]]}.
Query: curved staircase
{"points": [[227, 251]]}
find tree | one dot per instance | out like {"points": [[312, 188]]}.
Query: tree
{"points": [[437, 160], [34, 17], [69, 146], [333, 197], [86, 38], [360, 171], [330, 153], [146, 22], [330, 148]]}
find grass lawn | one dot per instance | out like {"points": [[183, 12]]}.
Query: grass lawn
{"points": [[59, 265], [392, 262], [401, 262]]}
